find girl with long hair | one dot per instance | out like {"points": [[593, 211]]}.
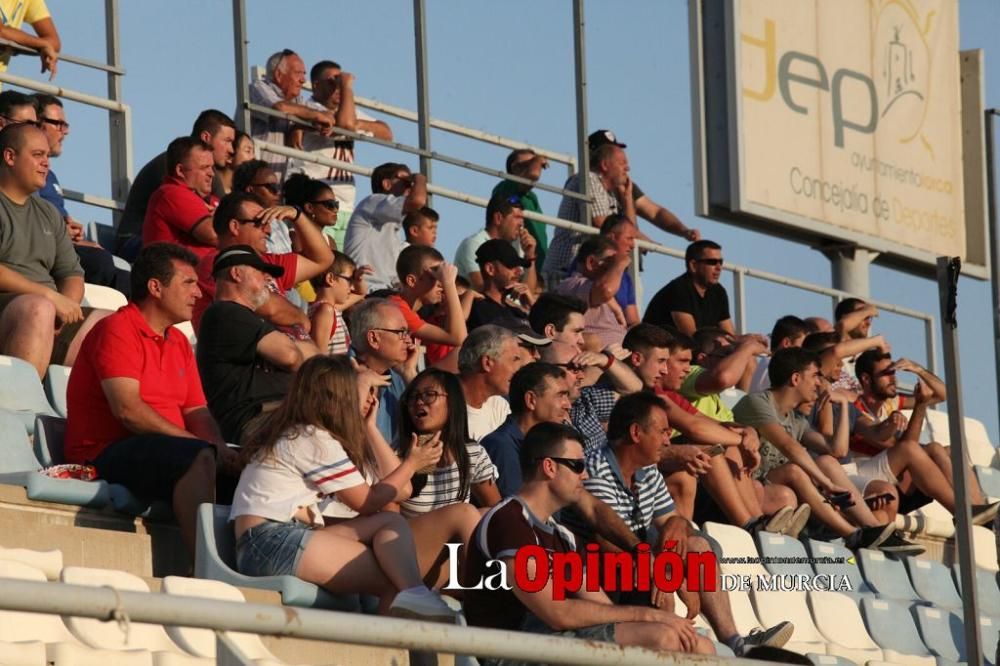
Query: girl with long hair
{"points": [[320, 445], [317, 201]]}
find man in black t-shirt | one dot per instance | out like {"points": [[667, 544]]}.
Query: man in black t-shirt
{"points": [[696, 299], [245, 363], [506, 301]]}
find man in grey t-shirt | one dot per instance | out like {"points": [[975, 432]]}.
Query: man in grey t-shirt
{"points": [[41, 282]]}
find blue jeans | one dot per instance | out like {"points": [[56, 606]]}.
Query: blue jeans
{"points": [[272, 549]]}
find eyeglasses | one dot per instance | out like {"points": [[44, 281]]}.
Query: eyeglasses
{"points": [[255, 221], [273, 188], [710, 262], [401, 333], [330, 204], [428, 397], [345, 278], [575, 465], [888, 372], [61, 125]]}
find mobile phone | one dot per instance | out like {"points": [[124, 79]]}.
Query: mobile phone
{"points": [[841, 500], [718, 449], [870, 501]]}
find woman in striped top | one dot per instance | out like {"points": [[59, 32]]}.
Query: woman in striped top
{"points": [[321, 443], [433, 406]]}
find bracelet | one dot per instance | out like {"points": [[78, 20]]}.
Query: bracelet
{"points": [[298, 211], [611, 360]]}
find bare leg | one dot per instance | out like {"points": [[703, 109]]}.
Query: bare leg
{"points": [[683, 487], [195, 487], [925, 473], [27, 330], [775, 496], [941, 456], [715, 605], [88, 324], [795, 478], [860, 514], [431, 531], [730, 493]]}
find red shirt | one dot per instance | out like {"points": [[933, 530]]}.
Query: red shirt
{"points": [[858, 443], [435, 350], [206, 282], [174, 210], [677, 399], [124, 345]]}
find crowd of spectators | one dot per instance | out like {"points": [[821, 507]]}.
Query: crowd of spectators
{"points": [[380, 402]]}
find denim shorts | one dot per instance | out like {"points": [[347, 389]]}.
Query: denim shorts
{"points": [[272, 549]]}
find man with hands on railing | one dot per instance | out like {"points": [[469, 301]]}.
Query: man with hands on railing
{"points": [[45, 40]]}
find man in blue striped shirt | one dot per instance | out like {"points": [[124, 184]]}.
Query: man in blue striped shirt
{"points": [[624, 475]]}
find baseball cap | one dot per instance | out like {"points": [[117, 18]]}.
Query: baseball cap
{"points": [[603, 137], [244, 255], [525, 334], [497, 249]]}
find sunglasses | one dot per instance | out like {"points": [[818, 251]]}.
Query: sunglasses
{"points": [[255, 221], [330, 204], [575, 465], [61, 125], [273, 188], [710, 262], [888, 372]]}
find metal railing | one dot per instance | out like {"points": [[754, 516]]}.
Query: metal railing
{"points": [[119, 113], [105, 603]]}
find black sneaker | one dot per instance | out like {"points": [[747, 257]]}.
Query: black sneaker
{"points": [[775, 637], [772, 523], [984, 513], [897, 545], [869, 537]]}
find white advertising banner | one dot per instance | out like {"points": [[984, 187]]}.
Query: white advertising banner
{"points": [[848, 116]]}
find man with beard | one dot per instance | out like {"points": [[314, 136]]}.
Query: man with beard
{"points": [[245, 361]]}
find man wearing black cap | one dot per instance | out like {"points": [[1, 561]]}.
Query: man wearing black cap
{"points": [[504, 299], [612, 191], [245, 362], [504, 220]]}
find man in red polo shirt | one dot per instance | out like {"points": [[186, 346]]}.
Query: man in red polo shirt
{"points": [[180, 210], [137, 411], [242, 219]]}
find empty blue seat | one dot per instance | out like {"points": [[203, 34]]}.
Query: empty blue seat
{"points": [[789, 550], [987, 592], [21, 392], [893, 628], [887, 577], [215, 559], [56, 382], [989, 637], [932, 581], [941, 631], [19, 466], [835, 560]]}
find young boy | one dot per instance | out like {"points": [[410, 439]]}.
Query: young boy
{"points": [[425, 277], [337, 289], [421, 227]]}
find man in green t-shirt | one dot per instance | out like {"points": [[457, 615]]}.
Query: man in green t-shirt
{"points": [[528, 164]]}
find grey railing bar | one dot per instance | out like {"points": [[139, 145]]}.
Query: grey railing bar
{"points": [[65, 93], [93, 200], [413, 150], [64, 57], [105, 603]]}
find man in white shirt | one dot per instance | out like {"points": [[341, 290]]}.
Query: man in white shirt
{"points": [[374, 233], [489, 357]]}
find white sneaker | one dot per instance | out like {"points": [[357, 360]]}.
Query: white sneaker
{"points": [[428, 607]]}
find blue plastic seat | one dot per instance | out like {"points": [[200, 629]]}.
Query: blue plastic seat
{"points": [[791, 551], [835, 560], [887, 577], [942, 632], [215, 558], [20, 467], [56, 383], [892, 627], [932, 581], [21, 392], [987, 592], [989, 637]]}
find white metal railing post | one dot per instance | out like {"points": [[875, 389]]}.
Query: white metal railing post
{"points": [[119, 122], [423, 84], [580, 71], [242, 64], [930, 341], [740, 300]]}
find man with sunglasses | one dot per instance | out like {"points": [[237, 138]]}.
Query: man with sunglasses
{"points": [[504, 221], [374, 232], [552, 465], [259, 179], [695, 299], [98, 264], [211, 126], [333, 93], [624, 475], [242, 219]]}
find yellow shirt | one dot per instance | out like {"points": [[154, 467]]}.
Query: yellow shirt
{"points": [[14, 14]]}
